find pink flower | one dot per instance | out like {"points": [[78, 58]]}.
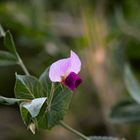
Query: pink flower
{"points": [[66, 71]]}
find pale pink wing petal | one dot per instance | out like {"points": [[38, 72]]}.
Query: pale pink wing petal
{"points": [[59, 69], [75, 63]]}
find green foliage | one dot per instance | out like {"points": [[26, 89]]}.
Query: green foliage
{"points": [[9, 43], [128, 110], [37, 91], [125, 111], [26, 117], [59, 105], [102, 138], [28, 87], [132, 84], [42, 105], [31, 109], [45, 81], [7, 58]]}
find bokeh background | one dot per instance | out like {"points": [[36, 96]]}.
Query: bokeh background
{"points": [[104, 33]]}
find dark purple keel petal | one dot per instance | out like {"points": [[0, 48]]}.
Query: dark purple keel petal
{"points": [[72, 81]]}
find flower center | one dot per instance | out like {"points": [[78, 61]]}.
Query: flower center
{"points": [[72, 81]]}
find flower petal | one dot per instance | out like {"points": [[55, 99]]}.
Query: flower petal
{"points": [[72, 81], [59, 69], [75, 63]]}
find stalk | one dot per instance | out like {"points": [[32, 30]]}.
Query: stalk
{"points": [[20, 62], [75, 132]]}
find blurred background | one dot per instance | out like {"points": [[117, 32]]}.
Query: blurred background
{"points": [[104, 33]]}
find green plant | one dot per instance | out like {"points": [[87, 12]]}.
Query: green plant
{"points": [[43, 104]]}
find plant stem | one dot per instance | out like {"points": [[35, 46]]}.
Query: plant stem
{"points": [[20, 62], [51, 95], [80, 135]]}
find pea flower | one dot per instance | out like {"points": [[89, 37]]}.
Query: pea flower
{"points": [[66, 71]]}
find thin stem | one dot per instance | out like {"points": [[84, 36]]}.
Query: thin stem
{"points": [[80, 135], [51, 95], [20, 62]]}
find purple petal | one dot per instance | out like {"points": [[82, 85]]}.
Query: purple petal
{"points": [[72, 81], [59, 69], [75, 63]]}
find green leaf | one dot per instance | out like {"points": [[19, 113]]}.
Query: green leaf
{"points": [[7, 58], [26, 117], [28, 87], [34, 106], [9, 42], [132, 84], [102, 138], [44, 79], [59, 106], [31, 109], [125, 111], [58, 109], [9, 101]]}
